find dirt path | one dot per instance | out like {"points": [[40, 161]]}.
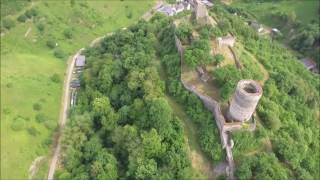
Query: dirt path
{"points": [[65, 105], [63, 113], [28, 31], [146, 16], [34, 166]]}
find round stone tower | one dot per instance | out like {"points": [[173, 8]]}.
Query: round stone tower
{"points": [[245, 100]]}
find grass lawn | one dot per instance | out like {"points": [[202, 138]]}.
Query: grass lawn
{"points": [[306, 11], [27, 65]]}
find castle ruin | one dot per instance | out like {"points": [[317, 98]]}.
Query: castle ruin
{"points": [[245, 100]]}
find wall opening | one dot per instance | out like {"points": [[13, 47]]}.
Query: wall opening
{"points": [[250, 88]]}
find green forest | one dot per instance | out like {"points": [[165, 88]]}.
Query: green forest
{"points": [[124, 128]]}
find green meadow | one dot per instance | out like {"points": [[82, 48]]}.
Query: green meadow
{"points": [[305, 11], [33, 66]]}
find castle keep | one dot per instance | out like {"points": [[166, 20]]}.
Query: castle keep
{"points": [[245, 100]]}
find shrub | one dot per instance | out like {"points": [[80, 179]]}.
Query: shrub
{"points": [[72, 3], [67, 33], [40, 27], [59, 53], [18, 124], [218, 58], [6, 111], [55, 78], [22, 18], [9, 85], [51, 43], [37, 107], [31, 12], [129, 15], [50, 125], [8, 23], [46, 142], [41, 117], [33, 131]]}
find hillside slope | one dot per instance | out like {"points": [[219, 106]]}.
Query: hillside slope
{"points": [[33, 60]]}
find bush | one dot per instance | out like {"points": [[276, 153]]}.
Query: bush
{"points": [[218, 59], [31, 12], [51, 43], [47, 142], [59, 53], [40, 27], [22, 18], [41, 117], [9, 85], [67, 33], [72, 2], [18, 124], [33, 131], [50, 125], [129, 15], [6, 111], [55, 78], [8, 23], [37, 107]]}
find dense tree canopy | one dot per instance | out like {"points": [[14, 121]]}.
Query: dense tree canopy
{"points": [[122, 126], [198, 53]]}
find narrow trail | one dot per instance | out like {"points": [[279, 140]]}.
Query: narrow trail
{"points": [[34, 166], [28, 31], [147, 16], [63, 113]]}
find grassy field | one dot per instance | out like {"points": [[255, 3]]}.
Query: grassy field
{"points": [[306, 11], [30, 99]]}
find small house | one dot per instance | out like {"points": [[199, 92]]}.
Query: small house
{"points": [[179, 8], [256, 26], [168, 10], [187, 5], [276, 31], [201, 13], [80, 61], [310, 64], [207, 3]]}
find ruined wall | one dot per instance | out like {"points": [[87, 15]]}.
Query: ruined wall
{"points": [[213, 106], [179, 46], [245, 100]]}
